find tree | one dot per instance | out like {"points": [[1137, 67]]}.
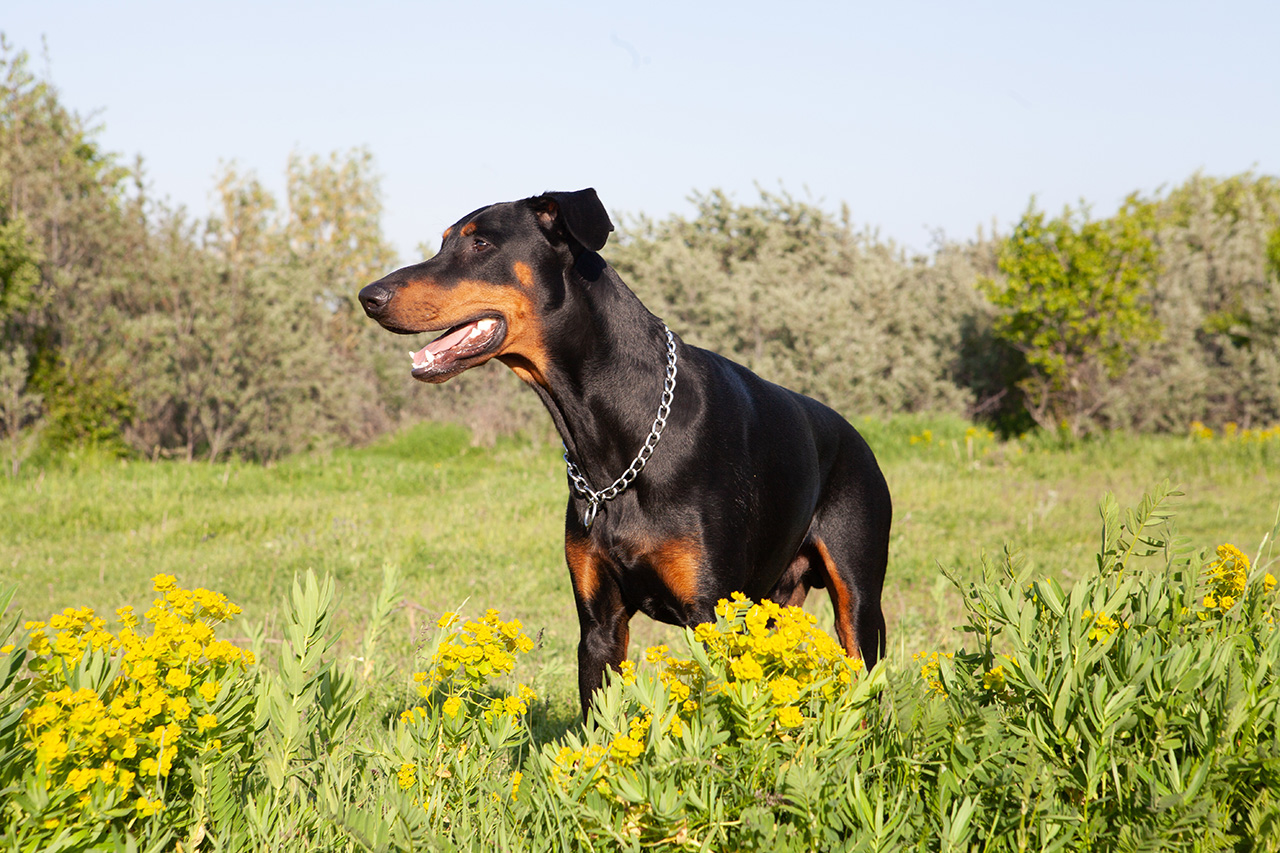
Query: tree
{"points": [[1074, 300], [71, 225]]}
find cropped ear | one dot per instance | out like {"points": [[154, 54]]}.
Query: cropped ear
{"points": [[580, 213]]}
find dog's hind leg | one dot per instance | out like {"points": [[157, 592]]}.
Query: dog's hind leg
{"points": [[851, 537]]}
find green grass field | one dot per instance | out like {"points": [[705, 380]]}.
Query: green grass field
{"points": [[483, 525]]}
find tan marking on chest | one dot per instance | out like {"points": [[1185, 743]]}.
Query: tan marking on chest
{"points": [[678, 562]]}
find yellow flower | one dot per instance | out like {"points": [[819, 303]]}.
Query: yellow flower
{"points": [[127, 617], [993, 679], [789, 716], [516, 777], [407, 776], [161, 583], [81, 778], [180, 707], [204, 722], [209, 690], [452, 706], [785, 689], [627, 671], [626, 749], [146, 808], [178, 678], [746, 668]]}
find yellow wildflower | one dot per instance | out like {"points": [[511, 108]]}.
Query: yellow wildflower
{"points": [[789, 716], [746, 668], [180, 708], [626, 749], [407, 776], [146, 808]]}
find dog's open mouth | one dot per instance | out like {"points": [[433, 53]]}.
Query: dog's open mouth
{"points": [[457, 349]]}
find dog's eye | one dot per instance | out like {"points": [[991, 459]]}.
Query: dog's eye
{"points": [[480, 245]]}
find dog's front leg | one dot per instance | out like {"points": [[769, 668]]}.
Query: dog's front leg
{"points": [[603, 619]]}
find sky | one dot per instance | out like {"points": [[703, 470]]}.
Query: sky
{"points": [[929, 119]]}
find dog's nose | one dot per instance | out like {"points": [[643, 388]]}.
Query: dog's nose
{"points": [[374, 297]]}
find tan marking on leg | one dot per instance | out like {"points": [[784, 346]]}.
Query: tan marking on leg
{"points": [[841, 602], [584, 567]]}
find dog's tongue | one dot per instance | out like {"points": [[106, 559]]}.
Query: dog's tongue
{"points": [[455, 338]]}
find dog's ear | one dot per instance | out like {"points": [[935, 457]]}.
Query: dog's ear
{"points": [[580, 214]]}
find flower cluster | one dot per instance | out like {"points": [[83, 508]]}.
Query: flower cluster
{"points": [[761, 647], [466, 661], [929, 666], [602, 760], [1231, 432], [476, 653], [1228, 581], [759, 667], [1101, 624], [121, 741]]}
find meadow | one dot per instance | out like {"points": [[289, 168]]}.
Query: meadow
{"points": [[1067, 669], [484, 525]]}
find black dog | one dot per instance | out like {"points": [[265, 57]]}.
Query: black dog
{"points": [[746, 486]]}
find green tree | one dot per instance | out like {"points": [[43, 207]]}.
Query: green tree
{"points": [[71, 224], [1074, 299]]}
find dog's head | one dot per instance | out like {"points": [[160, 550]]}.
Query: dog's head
{"points": [[492, 288]]}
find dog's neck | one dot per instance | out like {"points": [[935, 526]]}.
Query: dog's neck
{"points": [[604, 389]]}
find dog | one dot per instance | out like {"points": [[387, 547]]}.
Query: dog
{"points": [[690, 477]]}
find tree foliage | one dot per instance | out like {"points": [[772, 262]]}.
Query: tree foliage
{"points": [[1074, 300], [144, 329]]}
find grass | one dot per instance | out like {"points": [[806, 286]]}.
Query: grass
{"points": [[483, 525]]}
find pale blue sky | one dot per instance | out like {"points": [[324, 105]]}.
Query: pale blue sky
{"points": [[922, 116]]}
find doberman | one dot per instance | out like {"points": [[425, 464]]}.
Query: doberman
{"points": [[721, 481]]}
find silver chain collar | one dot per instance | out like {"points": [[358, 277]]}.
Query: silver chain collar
{"points": [[583, 489]]}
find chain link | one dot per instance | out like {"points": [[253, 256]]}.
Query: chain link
{"points": [[596, 499]]}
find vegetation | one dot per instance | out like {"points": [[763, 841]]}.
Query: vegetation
{"points": [[1071, 302], [1136, 709]]}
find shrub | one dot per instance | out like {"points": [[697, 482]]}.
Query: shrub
{"points": [[116, 728]]}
